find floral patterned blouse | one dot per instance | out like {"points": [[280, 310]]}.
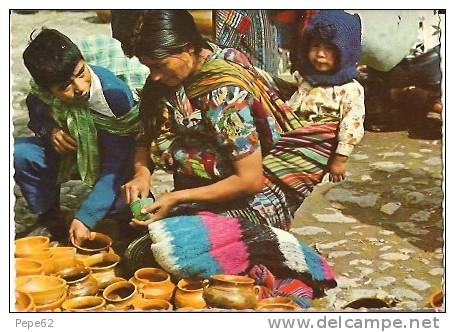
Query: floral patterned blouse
{"points": [[207, 133], [342, 104]]}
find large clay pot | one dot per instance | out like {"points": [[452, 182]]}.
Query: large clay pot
{"points": [[154, 283], [28, 267], [120, 294], [84, 303], [42, 289], [103, 268], [24, 302], [97, 243], [231, 292], [189, 294], [151, 304], [80, 282], [31, 243]]}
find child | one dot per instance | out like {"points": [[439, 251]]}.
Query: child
{"points": [[328, 95], [85, 120]]}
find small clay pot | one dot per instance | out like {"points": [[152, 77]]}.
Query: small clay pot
{"points": [[97, 243], [24, 302], [80, 282], [53, 306], [121, 294], [43, 256], [151, 304], [437, 299], [42, 289], [28, 267], [277, 307], [276, 300], [84, 303], [103, 268], [231, 292], [189, 294], [31, 243], [154, 283]]}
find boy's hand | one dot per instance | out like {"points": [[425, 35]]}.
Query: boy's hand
{"points": [[139, 186], [62, 142], [78, 232], [337, 168]]}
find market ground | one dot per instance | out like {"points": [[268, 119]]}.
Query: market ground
{"points": [[381, 229]]}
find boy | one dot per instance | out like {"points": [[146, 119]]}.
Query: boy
{"points": [[85, 119]]}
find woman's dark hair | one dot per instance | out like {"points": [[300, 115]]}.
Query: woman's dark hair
{"points": [[155, 34], [51, 57]]}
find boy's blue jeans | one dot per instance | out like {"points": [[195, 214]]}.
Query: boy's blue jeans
{"points": [[36, 168]]}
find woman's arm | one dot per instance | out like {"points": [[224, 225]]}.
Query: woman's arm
{"points": [[247, 180]]}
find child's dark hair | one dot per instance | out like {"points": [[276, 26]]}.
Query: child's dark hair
{"points": [[51, 58]]}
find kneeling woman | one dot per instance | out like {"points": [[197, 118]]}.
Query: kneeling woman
{"points": [[210, 119]]}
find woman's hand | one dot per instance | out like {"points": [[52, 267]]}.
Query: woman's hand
{"points": [[139, 186], [159, 209], [337, 168]]}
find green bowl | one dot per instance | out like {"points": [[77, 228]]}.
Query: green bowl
{"points": [[137, 206]]}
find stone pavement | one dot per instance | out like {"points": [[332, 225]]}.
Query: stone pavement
{"points": [[382, 228]]}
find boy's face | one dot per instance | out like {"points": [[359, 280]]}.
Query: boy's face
{"points": [[322, 56], [76, 90]]}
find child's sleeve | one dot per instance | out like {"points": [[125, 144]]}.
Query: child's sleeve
{"points": [[352, 109]]}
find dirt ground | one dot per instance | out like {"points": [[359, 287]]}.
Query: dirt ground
{"points": [[381, 229]]}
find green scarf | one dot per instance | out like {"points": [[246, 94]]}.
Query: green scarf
{"points": [[82, 124]]}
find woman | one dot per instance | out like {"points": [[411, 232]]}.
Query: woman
{"points": [[211, 119]]}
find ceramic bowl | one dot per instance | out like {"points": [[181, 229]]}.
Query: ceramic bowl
{"points": [[276, 300], [151, 304], [28, 267], [119, 291], [42, 289], [84, 303], [53, 306], [102, 261], [31, 243], [277, 307], [74, 275], [24, 302], [97, 243]]}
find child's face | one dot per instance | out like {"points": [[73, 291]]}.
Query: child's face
{"points": [[321, 55], [76, 90]]}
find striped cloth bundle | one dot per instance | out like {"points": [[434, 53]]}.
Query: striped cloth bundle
{"points": [[205, 244]]}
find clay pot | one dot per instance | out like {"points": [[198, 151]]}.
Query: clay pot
{"points": [[64, 257], [437, 299], [120, 294], [28, 267], [103, 268], [42, 289], [31, 243], [43, 256], [24, 302], [84, 303], [151, 304], [189, 294], [276, 300], [277, 307], [154, 283], [231, 292], [97, 243], [53, 306], [80, 282]]}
